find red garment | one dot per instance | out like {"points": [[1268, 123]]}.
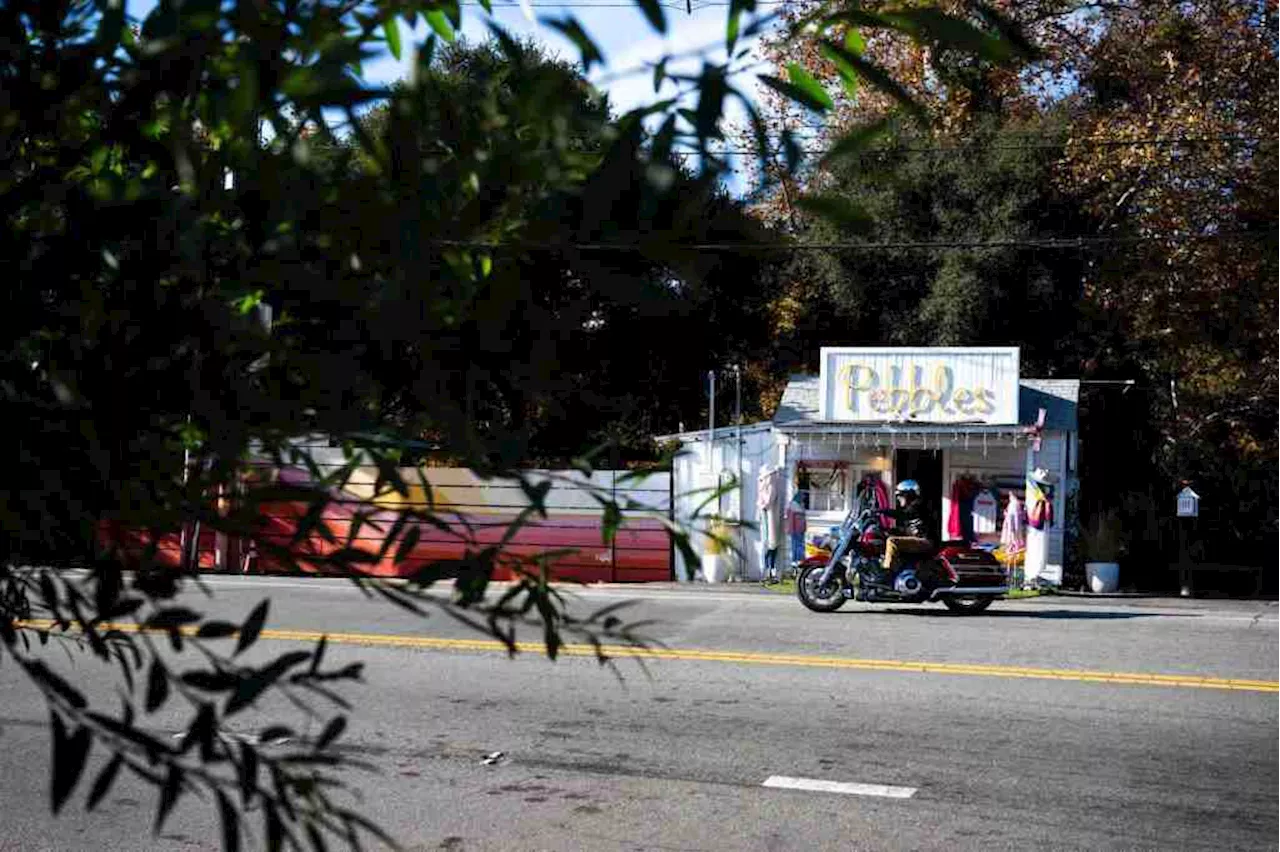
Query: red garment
{"points": [[1039, 508], [1041, 515], [963, 492], [882, 493], [796, 519], [873, 487]]}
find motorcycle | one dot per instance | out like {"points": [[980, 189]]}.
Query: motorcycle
{"points": [[966, 579]]}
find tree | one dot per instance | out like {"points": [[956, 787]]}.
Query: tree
{"points": [[1189, 89], [951, 255], [945, 64], [629, 335], [145, 219]]}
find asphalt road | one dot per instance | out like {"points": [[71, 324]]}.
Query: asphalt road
{"points": [[1011, 730]]}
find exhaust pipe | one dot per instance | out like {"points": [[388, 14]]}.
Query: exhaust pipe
{"points": [[967, 591]]}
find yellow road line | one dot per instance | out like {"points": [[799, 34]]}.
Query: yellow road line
{"points": [[688, 654]]}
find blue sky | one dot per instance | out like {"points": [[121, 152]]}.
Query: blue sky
{"points": [[623, 35], [619, 29]]}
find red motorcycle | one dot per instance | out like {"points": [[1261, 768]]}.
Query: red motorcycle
{"points": [[963, 577]]}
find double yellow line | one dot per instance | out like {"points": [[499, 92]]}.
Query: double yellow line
{"points": [[385, 640]]}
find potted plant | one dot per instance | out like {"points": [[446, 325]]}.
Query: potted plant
{"points": [[1103, 542], [715, 557]]}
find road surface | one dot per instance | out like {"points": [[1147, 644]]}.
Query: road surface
{"points": [[1050, 723]]}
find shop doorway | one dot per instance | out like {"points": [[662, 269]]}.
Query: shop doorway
{"points": [[925, 467]]}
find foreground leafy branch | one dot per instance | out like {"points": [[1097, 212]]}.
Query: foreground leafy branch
{"points": [[169, 183]]}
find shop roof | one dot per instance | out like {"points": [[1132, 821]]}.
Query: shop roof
{"points": [[721, 433], [1058, 397], [799, 401]]}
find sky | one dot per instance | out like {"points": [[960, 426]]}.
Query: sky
{"points": [[618, 28]]}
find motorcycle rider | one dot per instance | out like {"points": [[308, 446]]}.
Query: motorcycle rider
{"points": [[912, 529]]}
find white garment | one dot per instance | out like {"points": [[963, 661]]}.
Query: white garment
{"points": [[770, 527], [767, 487], [1013, 535], [767, 499], [984, 513], [1037, 556]]}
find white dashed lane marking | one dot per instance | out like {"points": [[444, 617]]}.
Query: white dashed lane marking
{"points": [[847, 788]]}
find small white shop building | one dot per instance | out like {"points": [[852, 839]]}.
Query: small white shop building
{"points": [[961, 422]]}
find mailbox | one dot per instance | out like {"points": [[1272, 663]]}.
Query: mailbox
{"points": [[1188, 503]]}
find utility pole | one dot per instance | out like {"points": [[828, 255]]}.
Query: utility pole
{"points": [[737, 420], [711, 415]]}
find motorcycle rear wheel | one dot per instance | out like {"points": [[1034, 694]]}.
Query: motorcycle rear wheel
{"points": [[817, 599], [968, 606]]}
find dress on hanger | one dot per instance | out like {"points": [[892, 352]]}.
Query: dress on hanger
{"points": [[767, 497]]}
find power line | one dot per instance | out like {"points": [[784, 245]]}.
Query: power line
{"points": [[613, 4], [1086, 142], [1064, 243], [566, 5]]}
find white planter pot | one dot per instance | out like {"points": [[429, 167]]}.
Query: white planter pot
{"points": [[1102, 577], [715, 568]]}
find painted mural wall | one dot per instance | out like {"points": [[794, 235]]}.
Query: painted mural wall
{"points": [[467, 515]]}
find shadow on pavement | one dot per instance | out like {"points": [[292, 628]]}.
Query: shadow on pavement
{"points": [[1050, 614]]}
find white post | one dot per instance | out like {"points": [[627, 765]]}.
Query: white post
{"points": [[711, 411], [737, 420]]}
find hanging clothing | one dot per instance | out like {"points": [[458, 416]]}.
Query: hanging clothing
{"points": [[767, 487], [767, 498], [872, 493], [985, 508], [1036, 556], [1039, 507], [803, 481], [795, 516], [1039, 519], [1012, 534], [796, 522], [863, 497], [960, 518], [770, 527]]}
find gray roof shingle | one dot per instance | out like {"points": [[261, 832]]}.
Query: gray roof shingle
{"points": [[799, 401]]}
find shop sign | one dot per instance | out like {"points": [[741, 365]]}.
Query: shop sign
{"points": [[937, 385]]}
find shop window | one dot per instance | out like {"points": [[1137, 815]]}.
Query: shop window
{"points": [[828, 488], [973, 521]]}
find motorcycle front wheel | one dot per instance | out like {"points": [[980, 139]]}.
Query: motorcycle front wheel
{"points": [[814, 597]]}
